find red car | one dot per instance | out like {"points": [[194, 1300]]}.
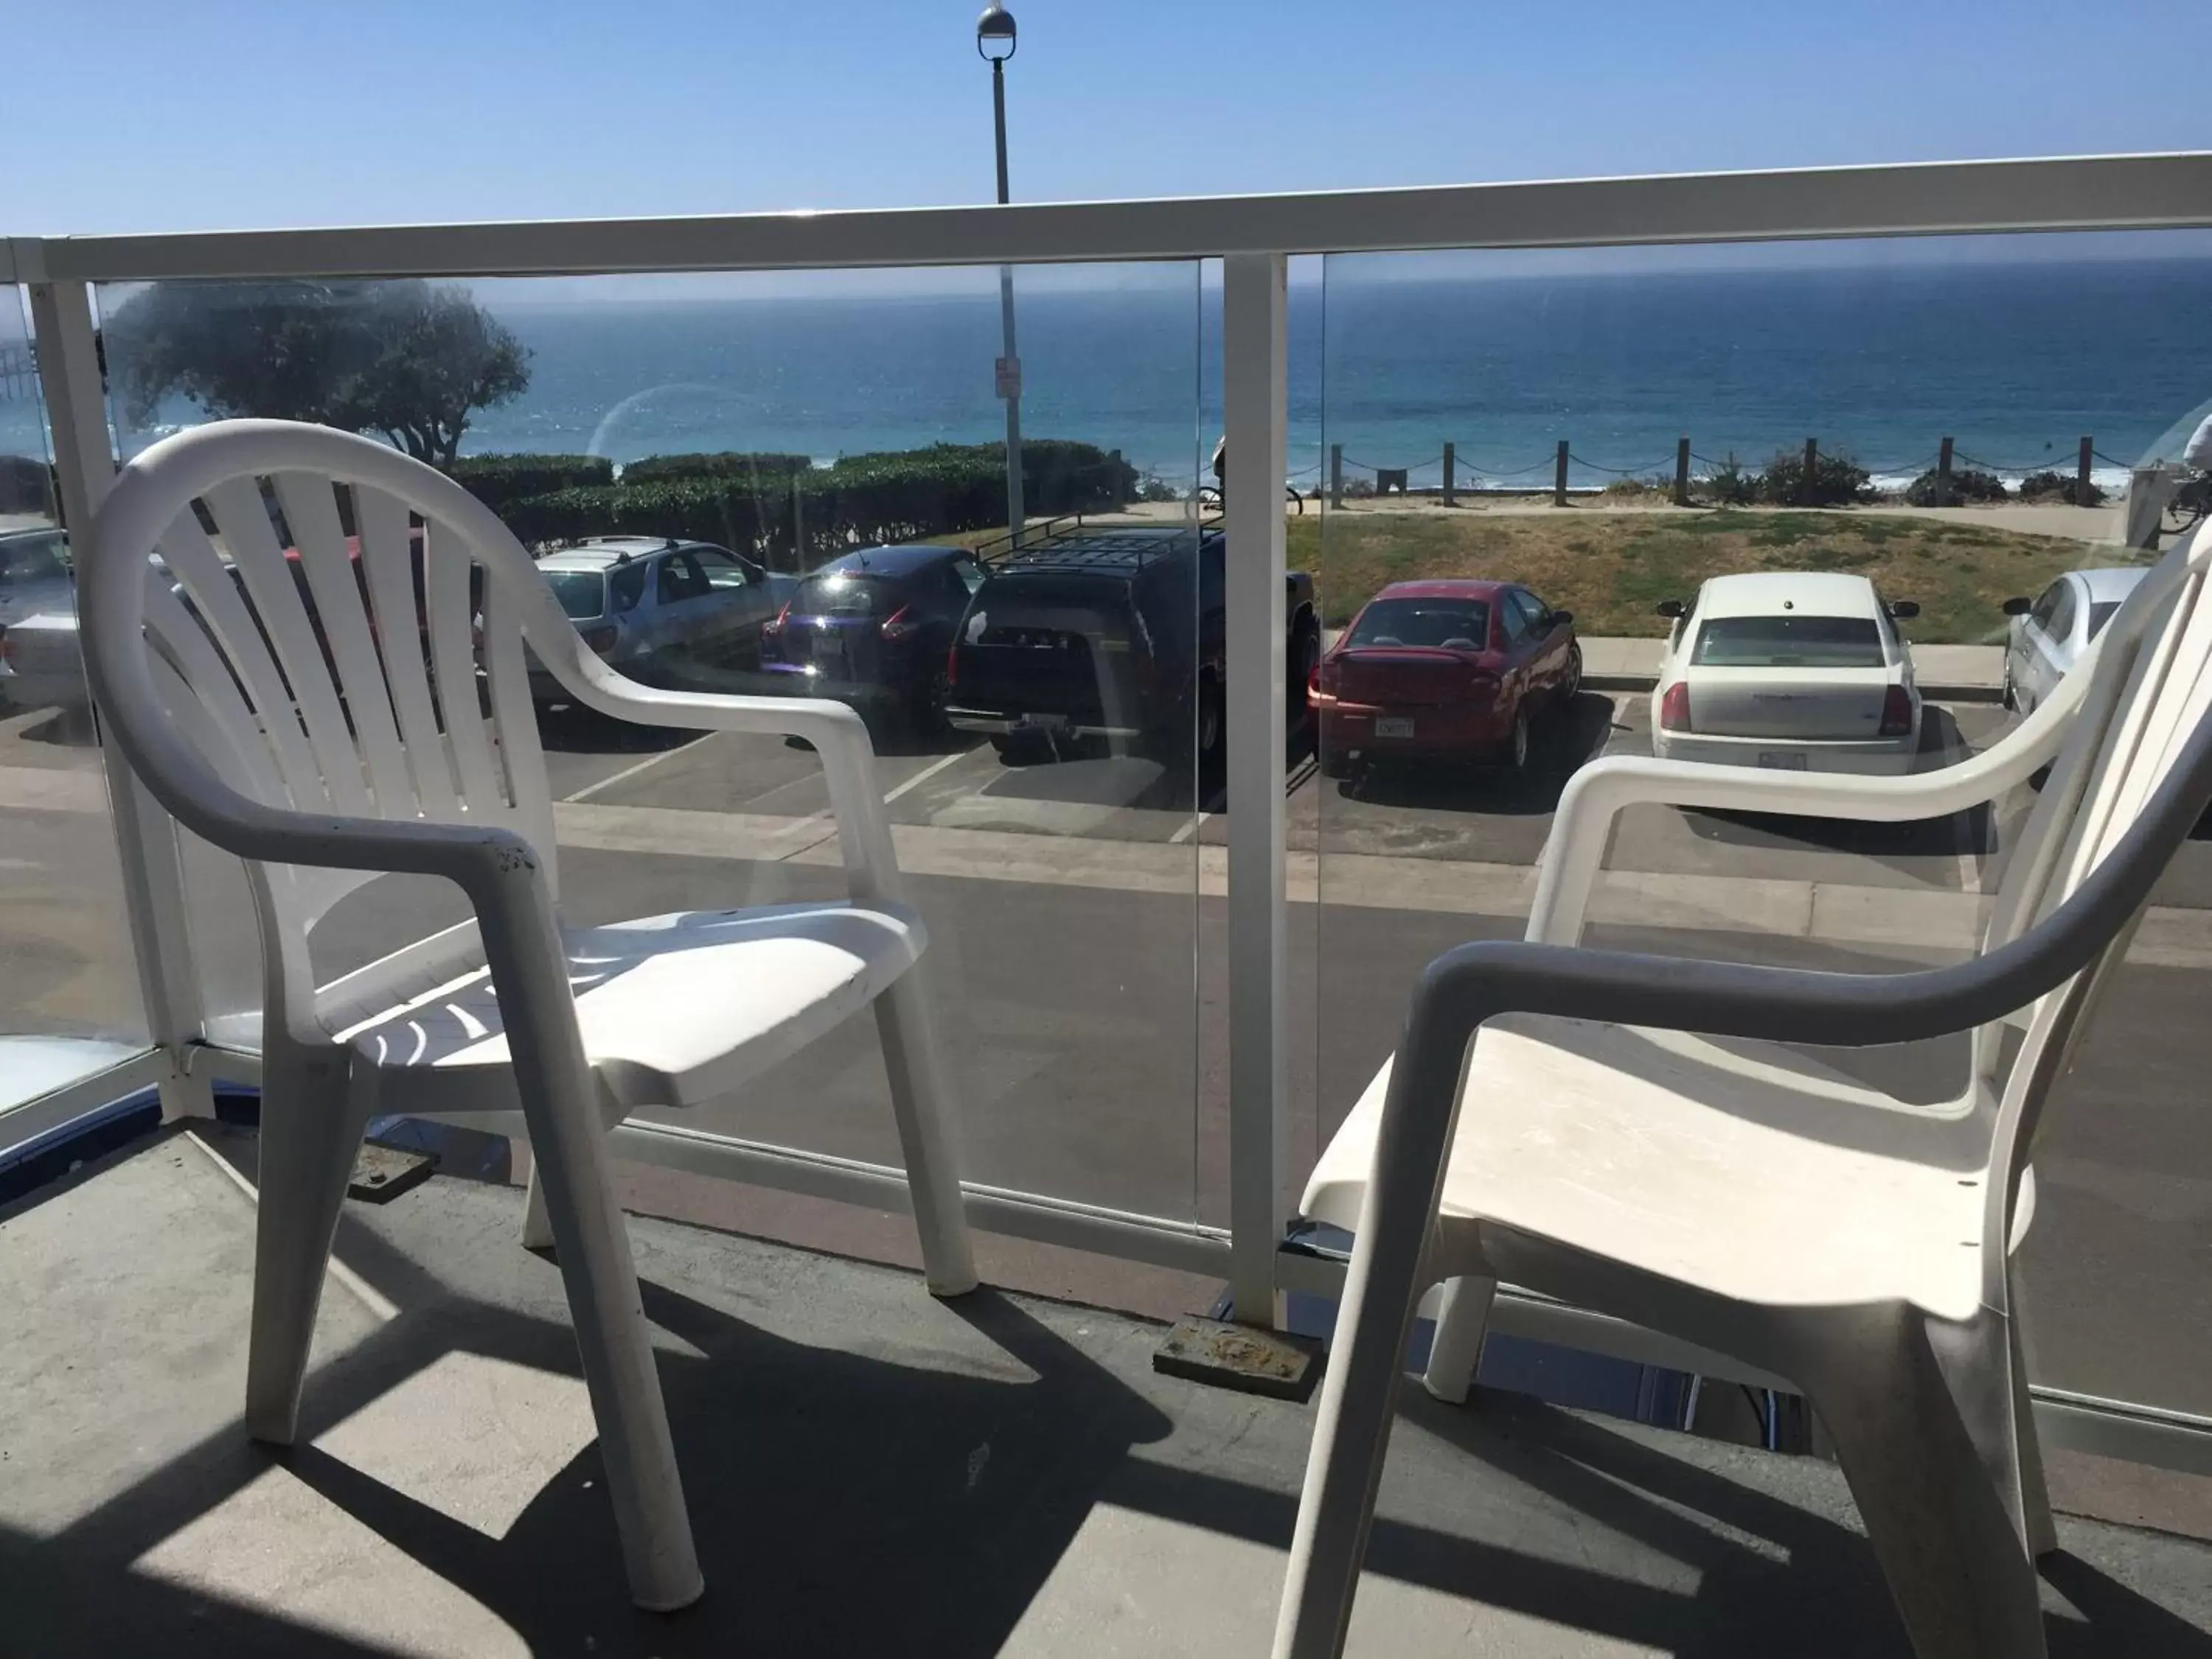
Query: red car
{"points": [[1443, 671]]}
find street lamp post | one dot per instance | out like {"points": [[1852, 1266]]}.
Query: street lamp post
{"points": [[995, 41]]}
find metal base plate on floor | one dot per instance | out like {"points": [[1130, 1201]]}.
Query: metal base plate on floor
{"points": [[382, 1173], [1239, 1356]]}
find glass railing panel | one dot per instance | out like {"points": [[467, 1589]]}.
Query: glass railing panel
{"points": [[811, 470], [70, 1002], [1991, 432]]}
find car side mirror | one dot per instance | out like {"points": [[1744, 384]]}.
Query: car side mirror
{"points": [[2018, 607], [1561, 618], [1671, 609], [1904, 609]]}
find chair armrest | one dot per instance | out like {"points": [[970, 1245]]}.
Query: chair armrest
{"points": [[839, 736], [1600, 791], [1464, 988]]}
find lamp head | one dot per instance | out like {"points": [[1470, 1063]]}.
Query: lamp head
{"points": [[994, 33]]}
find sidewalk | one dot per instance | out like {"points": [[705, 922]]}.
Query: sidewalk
{"points": [[1968, 673]]}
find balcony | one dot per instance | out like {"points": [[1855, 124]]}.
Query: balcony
{"points": [[866, 1468], [1165, 966]]}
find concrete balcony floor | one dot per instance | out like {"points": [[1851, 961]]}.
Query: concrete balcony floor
{"points": [[869, 1471]]}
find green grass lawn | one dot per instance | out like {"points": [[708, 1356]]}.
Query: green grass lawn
{"points": [[1612, 569]]}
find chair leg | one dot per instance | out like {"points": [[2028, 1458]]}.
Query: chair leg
{"points": [[592, 1248], [1462, 1318], [926, 1134], [311, 1127], [1358, 1394], [1949, 1547], [537, 1226], [2026, 1469]]}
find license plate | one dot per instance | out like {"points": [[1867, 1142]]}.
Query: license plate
{"points": [[1043, 722], [1782, 760], [1394, 726]]}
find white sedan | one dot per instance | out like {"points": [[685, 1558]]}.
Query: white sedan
{"points": [[1789, 670]]}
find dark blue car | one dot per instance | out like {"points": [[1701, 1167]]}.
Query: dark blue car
{"points": [[872, 628]]}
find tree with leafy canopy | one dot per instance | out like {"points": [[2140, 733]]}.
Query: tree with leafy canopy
{"points": [[403, 359]]}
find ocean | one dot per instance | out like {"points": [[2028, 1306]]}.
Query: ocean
{"points": [[1390, 356]]}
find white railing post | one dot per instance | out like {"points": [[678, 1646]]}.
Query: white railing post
{"points": [[145, 836], [1254, 382]]}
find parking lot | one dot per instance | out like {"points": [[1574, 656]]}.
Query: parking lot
{"points": [[1079, 949]]}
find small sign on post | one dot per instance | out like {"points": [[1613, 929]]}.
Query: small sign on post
{"points": [[1010, 378]]}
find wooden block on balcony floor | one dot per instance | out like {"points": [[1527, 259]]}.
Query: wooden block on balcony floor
{"points": [[1239, 1356]]}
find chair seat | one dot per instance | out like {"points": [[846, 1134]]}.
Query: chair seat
{"points": [[675, 1010], [1755, 1174]]}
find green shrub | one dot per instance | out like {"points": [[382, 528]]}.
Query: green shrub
{"points": [[498, 480], [2065, 486], [1968, 485], [727, 464], [1730, 485], [896, 497], [1836, 481]]}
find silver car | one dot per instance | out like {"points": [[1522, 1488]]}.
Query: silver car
{"points": [[2050, 631], [649, 605]]}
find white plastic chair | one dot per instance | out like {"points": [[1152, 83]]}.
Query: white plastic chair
{"points": [[327, 746], [1550, 1119]]}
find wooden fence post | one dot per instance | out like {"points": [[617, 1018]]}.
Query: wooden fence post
{"points": [[1943, 474], [1448, 497], [1336, 474], [1560, 478], [1812, 466], [2081, 472], [1681, 472]]}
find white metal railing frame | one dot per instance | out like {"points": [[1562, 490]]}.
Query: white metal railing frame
{"points": [[1254, 234]]}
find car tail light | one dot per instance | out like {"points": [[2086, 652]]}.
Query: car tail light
{"points": [[897, 626], [1897, 713], [774, 626], [602, 639], [1674, 707]]}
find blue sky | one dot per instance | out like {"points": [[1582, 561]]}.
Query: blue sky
{"points": [[156, 115]]}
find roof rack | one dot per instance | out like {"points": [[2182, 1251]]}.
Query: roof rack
{"points": [[1067, 544]]}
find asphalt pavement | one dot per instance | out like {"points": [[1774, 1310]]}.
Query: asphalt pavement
{"points": [[1078, 950]]}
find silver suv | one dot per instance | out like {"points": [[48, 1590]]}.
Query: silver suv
{"points": [[655, 607]]}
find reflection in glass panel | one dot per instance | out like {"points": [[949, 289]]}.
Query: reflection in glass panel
{"points": [[1823, 508], [795, 485], [68, 993]]}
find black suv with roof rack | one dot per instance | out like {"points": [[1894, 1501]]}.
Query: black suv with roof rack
{"points": [[1113, 635]]}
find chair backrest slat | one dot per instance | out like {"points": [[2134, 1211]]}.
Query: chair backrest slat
{"points": [[387, 554], [341, 611], [242, 521], [338, 675], [508, 677], [2155, 686], [192, 559], [454, 660]]}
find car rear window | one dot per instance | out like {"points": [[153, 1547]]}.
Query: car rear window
{"points": [[1789, 642], [2101, 612], [581, 593], [838, 593], [1461, 624]]}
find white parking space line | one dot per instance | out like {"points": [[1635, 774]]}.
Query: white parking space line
{"points": [[629, 772], [926, 773], [1196, 821]]}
